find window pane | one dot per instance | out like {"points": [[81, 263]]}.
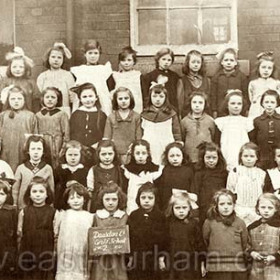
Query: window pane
{"points": [[174, 3], [183, 27], [152, 27], [216, 26], [149, 3]]}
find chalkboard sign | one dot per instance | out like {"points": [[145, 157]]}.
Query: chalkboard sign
{"points": [[108, 241]]}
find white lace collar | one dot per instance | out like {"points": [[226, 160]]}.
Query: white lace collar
{"points": [[85, 109], [104, 214], [72, 168]]}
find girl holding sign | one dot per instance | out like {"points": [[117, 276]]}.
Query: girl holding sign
{"points": [[112, 202]]}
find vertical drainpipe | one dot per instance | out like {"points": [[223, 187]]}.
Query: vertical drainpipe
{"points": [[70, 28]]}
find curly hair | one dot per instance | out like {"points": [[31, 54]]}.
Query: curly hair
{"points": [[169, 147], [75, 187]]}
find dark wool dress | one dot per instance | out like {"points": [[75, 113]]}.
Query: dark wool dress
{"points": [[185, 244], [173, 177], [8, 244], [147, 239], [38, 240]]}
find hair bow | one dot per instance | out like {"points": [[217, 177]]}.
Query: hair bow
{"points": [[65, 49], [230, 91], [265, 53], [222, 51], [192, 197], [161, 81], [19, 53]]}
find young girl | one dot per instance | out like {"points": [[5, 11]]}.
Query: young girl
{"points": [[88, 121], [176, 174], [227, 77], [8, 232], [225, 236], [197, 126], [111, 202], [194, 80], [140, 170], [53, 123], [264, 239], [164, 58], [107, 169], [265, 79], [159, 118], [128, 77], [232, 130], [185, 238], [15, 122], [18, 74], [56, 76], [36, 232], [72, 227], [266, 133], [94, 73], [71, 168], [36, 152], [210, 176], [247, 182], [148, 229], [272, 180], [123, 125]]}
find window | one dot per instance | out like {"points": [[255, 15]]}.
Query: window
{"points": [[182, 25], [7, 21]]}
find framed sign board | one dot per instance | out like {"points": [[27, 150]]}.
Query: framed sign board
{"points": [[108, 241]]}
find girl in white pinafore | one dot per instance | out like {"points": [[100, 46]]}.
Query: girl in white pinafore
{"points": [[95, 73], [160, 122]]}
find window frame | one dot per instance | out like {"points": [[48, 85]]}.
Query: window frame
{"points": [[207, 49]]}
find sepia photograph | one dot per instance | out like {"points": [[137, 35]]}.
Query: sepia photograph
{"points": [[139, 140]]}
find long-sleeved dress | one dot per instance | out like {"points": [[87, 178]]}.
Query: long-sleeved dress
{"points": [[12, 134], [54, 126]]}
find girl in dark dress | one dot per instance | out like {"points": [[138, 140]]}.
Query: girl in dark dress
{"points": [[147, 228], [8, 229], [210, 176], [36, 233]]}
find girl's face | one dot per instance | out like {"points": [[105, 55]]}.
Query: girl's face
{"points": [[36, 151], [38, 195], [266, 208], [110, 201], [181, 209], [50, 99], [175, 156], [106, 155], [147, 201], [17, 68], [229, 61], [16, 100], [195, 63], [197, 104], [158, 99], [277, 157], [235, 104], [269, 104], [56, 59], [123, 100], [128, 63], [266, 68], [92, 56], [165, 62], [88, 98], [3, 197], [140, 154], [211, 159], [73, 156], [76, 201], [249, 158], [225, 205]]}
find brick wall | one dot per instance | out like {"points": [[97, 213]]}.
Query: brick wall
{"points": [[258, 28], [39, 23]]}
